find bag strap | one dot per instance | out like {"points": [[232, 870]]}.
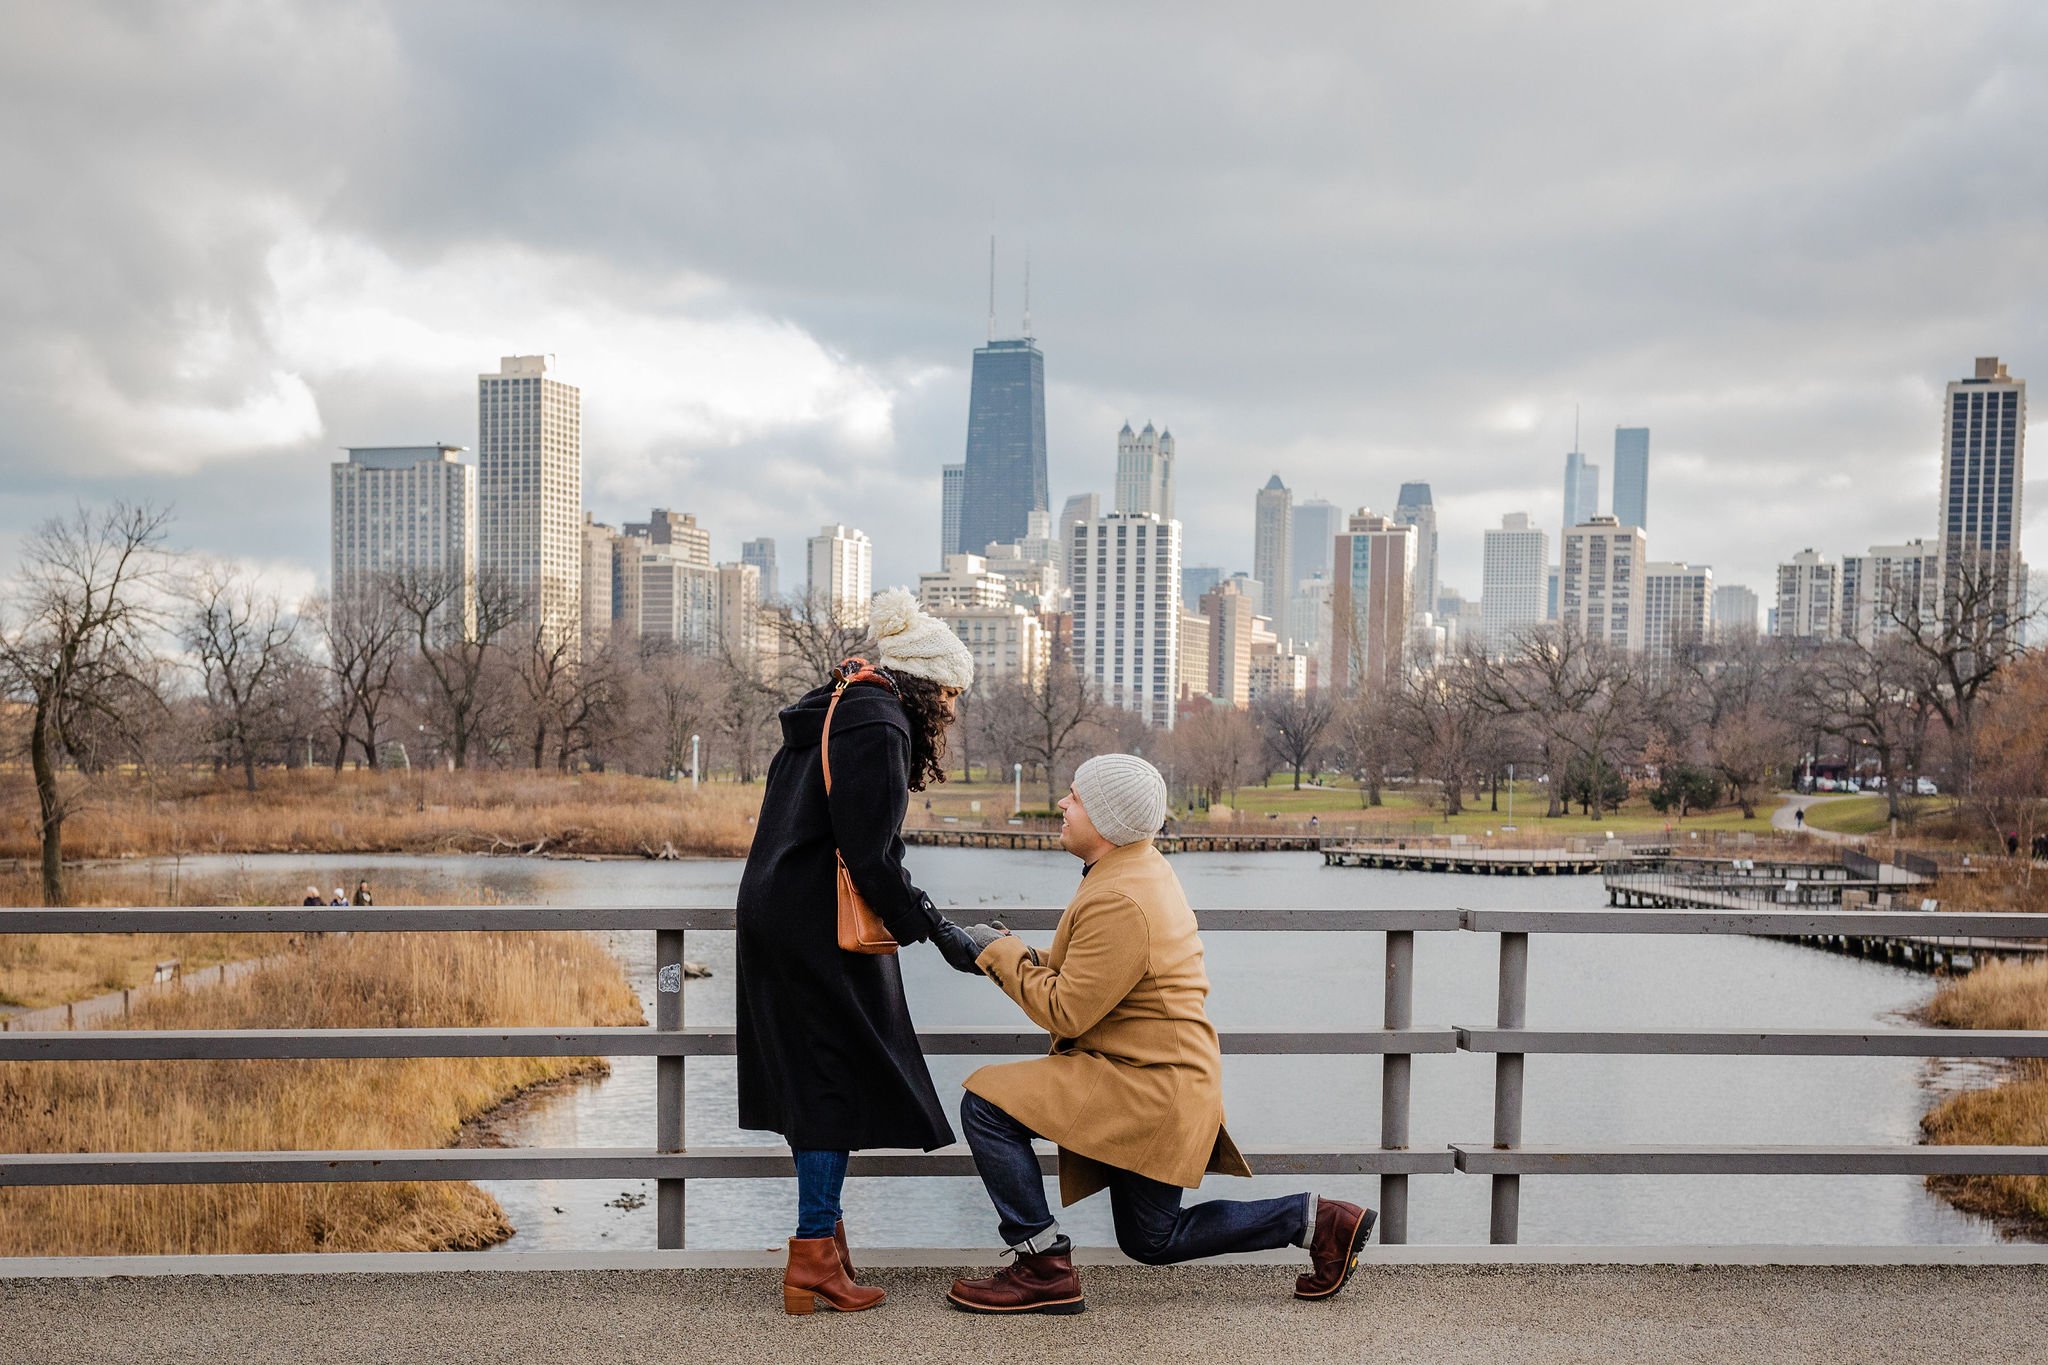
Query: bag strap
{"points": [[848, 672]]}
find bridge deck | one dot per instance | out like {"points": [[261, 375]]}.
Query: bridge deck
{"points": [[1448, 1313]]}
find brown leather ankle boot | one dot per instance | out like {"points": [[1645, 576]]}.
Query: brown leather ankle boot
{"points": [[839, 1240], [1041, 1283], [815, 1278]]}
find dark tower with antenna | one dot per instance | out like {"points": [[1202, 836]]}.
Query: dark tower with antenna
{"points": [[1005, 479]]}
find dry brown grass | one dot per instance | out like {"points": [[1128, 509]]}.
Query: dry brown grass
{"points": [[359, 981], [51, 969], [319, 811], [1999, 995]]}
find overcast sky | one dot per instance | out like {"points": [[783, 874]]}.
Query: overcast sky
{"points": [[1355, 245]]}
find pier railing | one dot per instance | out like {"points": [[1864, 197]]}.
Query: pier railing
{"points": [[671, 1163]]}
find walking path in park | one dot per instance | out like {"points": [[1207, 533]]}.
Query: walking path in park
{"points": [[1783, 819], [116, 1004], [1448, 1313]]}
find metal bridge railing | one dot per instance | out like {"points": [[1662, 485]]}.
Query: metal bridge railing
{"points": [[671, 1165]]}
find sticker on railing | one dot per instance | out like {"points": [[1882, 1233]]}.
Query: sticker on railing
{"points": [[669, 980]]}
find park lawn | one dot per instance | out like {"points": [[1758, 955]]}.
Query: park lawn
{"points": [[1867, 814]]}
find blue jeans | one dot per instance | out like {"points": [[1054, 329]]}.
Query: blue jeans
{"points": [[820, 1175], [1151, 1225]]}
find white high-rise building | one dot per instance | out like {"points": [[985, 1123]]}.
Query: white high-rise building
{"points": [[1735, 609], [598, 540], [1678, 607], [964, 582], [1809, 598], [1514, 580], [402, 508], [1601, 584], [952, 486], [739, 610], [1890, 582], [679, 599], [1144, 472], [530, 488], [1273, 546], [842, 569], [1983, 472], [1127, 611]]}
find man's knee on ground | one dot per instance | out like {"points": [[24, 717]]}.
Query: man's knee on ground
{"points": [[1146, 1245]]}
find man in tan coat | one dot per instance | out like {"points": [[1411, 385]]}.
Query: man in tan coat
{"points": [[1132, 1089]]}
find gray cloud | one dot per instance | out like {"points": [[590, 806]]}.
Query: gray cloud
{"points": [[1355, 245]]}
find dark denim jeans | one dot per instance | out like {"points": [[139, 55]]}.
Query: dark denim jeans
{"points": [[1151, 1225], [820, 1175]]}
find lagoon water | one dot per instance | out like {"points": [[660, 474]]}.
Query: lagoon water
{"points": [[1295, 981]]}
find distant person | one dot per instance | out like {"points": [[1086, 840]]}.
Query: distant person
{"points": [[1799, 817], [828, 1055], [313, 897], [340, 901], [362, 896], [2012, 844], [1132, 1090]]}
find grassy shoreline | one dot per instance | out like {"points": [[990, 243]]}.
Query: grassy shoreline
{"points": [[2013, 1112], [358, 981]]}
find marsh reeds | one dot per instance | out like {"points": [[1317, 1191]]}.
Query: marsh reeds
{"points": [[353, 981], [1998, 995]]}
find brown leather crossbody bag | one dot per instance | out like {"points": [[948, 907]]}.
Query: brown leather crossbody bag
{"points": [[860, 929]]}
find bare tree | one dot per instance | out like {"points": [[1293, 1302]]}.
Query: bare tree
{"points": [[77, 654], [2011, 765], [455, 640], [1962, 645], [1293, 725], [1054, 716], [816, 632], [1577, 699], [680, 694], [1741, 707], [1217, 749], [1877, 697], [591, 718], [1444, 725], [547, 680], [365, 634], [241, 637], [1364, 738]]}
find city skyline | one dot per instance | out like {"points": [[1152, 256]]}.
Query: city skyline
{"points": [[1782, 312]]}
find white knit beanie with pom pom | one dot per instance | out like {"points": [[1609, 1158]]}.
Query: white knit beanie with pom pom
{"points": [[918, 643]]}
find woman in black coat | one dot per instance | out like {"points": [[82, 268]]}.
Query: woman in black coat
{"points": [[828, 1056]]}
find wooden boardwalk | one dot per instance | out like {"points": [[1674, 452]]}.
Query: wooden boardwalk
{"points": [[1480, 862], [1049, 841]]}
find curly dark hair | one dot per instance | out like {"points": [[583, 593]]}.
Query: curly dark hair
{"points": [[925, 703]]}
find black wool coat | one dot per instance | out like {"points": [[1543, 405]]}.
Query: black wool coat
{"points": [[828, 1056]]}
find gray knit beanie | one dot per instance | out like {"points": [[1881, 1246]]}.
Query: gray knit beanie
{"points": [[1125, 797]]}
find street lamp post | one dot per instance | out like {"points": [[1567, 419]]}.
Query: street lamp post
{"points": [[1016, 786], [1511, 798], [693, 762]]}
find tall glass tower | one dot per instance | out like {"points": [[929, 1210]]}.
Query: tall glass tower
{"points": [[1005, 480], [1632, 476]]}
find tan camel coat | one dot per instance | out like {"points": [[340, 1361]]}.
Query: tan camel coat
{"points": [[1134, 1079]]}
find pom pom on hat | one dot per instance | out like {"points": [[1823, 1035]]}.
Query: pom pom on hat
{"points": [[915, 642]]}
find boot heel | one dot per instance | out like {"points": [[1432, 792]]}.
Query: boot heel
{"points": [[798, 1302]]}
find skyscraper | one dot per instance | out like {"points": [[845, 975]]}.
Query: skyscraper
{"points": [[1514, 579], [1601, 582], [1890, 582], [1414, 508], [1273, 547], [1227, 613], [1314, 536], [1197, 579], [1632, 476], [1370, 601], [679, 529], [1734, 612], [403, 508], [598, 540], [1581, 490], [1678, 606], [1077, 509], [1809, 596], [1983, 463], [841, 563], [1127, 611], [1144, 472], [761, 554], [952, 483], [1005, 465], [530, 488]]}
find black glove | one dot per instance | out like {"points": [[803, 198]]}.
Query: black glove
{"points": [[956, 945]]}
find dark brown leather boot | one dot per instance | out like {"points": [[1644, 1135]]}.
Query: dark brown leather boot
{"points": [[1341, 1229], [839, 1240], [815, 1279], [1041, 1283]]}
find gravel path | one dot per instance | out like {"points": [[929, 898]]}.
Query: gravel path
{"points": [[1666, 1314]]}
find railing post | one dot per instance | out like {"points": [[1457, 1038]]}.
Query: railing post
{"points": [[668, 1084], [1507, 1084], [1400, 1013]]}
